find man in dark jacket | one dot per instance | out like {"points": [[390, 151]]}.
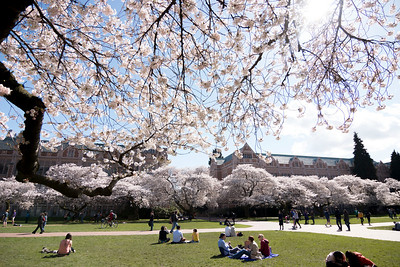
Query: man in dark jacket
{"points": [[338, 216], [40, 223]]}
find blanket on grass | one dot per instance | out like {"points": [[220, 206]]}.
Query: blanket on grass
{"points": [[247, 258]]}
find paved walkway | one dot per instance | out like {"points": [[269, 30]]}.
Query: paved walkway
{"points": [[357, 230]]}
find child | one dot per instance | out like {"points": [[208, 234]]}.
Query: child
{"points": [[195, 236]]}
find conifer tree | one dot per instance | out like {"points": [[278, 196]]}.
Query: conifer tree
{"points": [[395, 166], [363, 164]]}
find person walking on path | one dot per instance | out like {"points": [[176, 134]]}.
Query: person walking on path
{"points": [[40, 223], [361, 217], [368, 216], [174, 220], [328, 218], [312, 217], [338, 216], [151, 221], [296, 219], [346, 219]]}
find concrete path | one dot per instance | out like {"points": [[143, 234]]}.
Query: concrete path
{"points": [[357, 230]]}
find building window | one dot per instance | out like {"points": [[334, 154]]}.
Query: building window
{"points": [[247, 156]]}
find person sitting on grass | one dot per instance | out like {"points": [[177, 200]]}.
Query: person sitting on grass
{"points": [[356, 259], [177, 236], [336, 259], [226, 248], [264, 243], [66, 246], [162, 235], [255, 253], [195, 236], [228, 230]]}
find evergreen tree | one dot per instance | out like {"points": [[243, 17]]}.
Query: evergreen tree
{"points": [[395, 166], [363, 164]]}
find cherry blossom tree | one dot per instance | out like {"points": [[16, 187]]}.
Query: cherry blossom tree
{"points": [[16, 193], [388, 193], [247, 187], [187, 189], [177, 74]]}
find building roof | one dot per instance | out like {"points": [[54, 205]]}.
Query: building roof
{"points": [[7, 143], [307, 160]]}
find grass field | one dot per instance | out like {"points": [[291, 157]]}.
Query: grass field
{"points": [[294, 249]]}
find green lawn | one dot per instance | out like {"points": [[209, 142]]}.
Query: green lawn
{"points": [[59, 226], [294, 249]]}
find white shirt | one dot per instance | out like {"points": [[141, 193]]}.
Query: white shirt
{"points": [[228, 230], [177, 236]]}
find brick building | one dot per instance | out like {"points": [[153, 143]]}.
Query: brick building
{"points": [[66, 153], [287, 165]]}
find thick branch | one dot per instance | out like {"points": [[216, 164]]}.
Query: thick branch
{"points": [[9, 14]]}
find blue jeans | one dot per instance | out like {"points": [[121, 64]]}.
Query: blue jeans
{"points": [[174, 224], [239, 254]]}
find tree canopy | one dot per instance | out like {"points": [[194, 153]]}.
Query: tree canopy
{"points": [[159, 74], [395, 165], [363, 163]]}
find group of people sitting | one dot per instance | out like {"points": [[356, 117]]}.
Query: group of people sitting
{"points": [[349, 259], [250, 248], [177, 236]]}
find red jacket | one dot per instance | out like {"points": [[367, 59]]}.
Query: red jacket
{"points": [[265, 247]]}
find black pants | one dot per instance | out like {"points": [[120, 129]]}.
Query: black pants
{"points": [[41, 229], [339, 224]]}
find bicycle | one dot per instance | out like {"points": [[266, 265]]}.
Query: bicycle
{"points": [[111, 224]]}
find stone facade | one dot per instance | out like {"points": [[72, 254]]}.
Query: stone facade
{"points": [[66, 153], [287, 165]]}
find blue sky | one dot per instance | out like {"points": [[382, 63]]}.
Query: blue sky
{"points": [[379, 131]]}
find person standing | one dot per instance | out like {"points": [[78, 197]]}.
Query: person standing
{"points": [[151, 221], [174, 220], [346, 219], [45, 219], [40, 223], [312, 217], [13, 217], [338, 216], [328, 218], [28, 214], [306, 217], [5, 217], [280, 217]]}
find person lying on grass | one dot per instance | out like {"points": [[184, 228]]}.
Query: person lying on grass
{"points": [[356, 259]]}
